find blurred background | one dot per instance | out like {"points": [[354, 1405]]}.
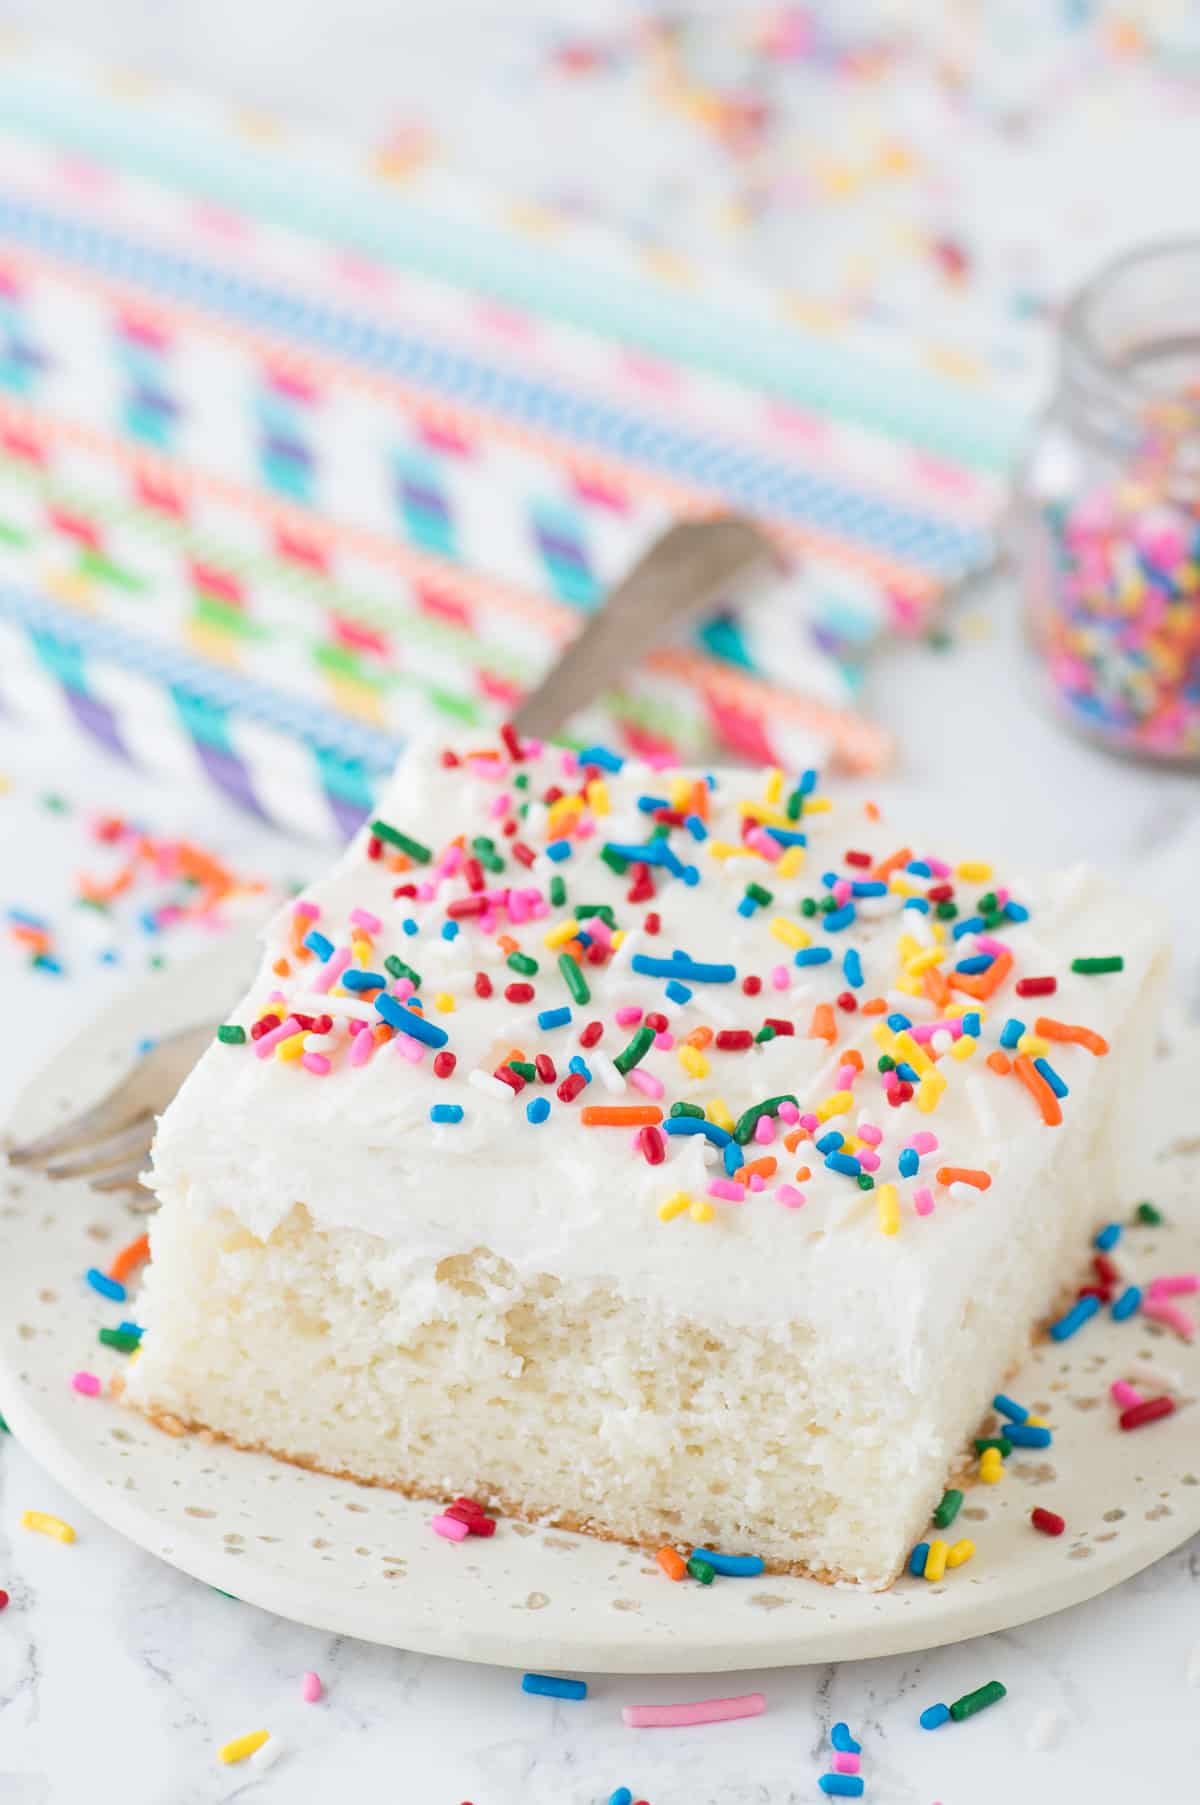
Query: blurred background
{"points": [[350, 352]]}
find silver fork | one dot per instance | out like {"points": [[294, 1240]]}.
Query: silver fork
{"points": [[688, 568]]}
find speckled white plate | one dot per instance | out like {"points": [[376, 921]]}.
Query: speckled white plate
{"points": [[363, 1562]]}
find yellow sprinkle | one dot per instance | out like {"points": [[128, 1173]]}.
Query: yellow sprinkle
{"points": [[702, 1210], [911, 987], [791, 863], [597, 796], [618, 938], [241, 1746], [922, 961], [1036, 1422], [565, 809], [957, 1009], [46, 1525], [917, 1057], [929, 1092], [991, 1466], [935, 1560], [908, 946], [729, 849], [673, 1206], [961, 1553], [836, 1104], [361, 948], [883, 1037], [718, 1112], [814, 805], [973, 871], [938, 930], [558, 936], [679, 794], [963, 1047], [790, 932], [887, 1204], [692, 1060], [770, 817], [1034, 1045], [901, 885], [291, 1048], [774, 785], [444, 1001]]}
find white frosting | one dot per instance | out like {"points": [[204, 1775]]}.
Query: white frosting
{"points": [[357, 1146]]}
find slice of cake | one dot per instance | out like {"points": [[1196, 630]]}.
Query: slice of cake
{"points": [[673, 1156]]}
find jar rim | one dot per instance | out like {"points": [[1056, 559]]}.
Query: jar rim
{"points": [[1080, 333]]}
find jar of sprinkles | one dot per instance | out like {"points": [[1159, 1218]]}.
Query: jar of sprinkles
{"points": [[1107, 521]]}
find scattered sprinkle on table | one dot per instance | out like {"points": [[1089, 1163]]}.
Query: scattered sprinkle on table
{"points": [[242, 1746], [547, 1686], [42, 1523]]}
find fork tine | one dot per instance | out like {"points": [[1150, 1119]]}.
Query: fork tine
{"points": [[131, 1143], [123, 1177]]}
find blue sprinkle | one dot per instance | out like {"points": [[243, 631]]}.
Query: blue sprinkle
{"points": [[1076, 1316], [317, 943], [917, 1559], [583, 937], [409, 1022], [909, 1163], [446, 1112], [131, 1328], [829, 1143], [786, 836], [1016, 1413], [1053, 1080], [898, 1023], [971, 925], [693, 1125], [834, 923], [852, 968], [918, 903], [650, 804], [1011, 1032], [363, 980], [546, 1687], [578, 1065], [869, 886], [537, 1111], [813, 955], [845, 1163], [747, 907], [24, 919], [829, 879], [678, 993], [553, 1018], [690, 875], [558, 850], [410, 926], [622, 1796], [147, 922], [602, 758], [682, 967], [695, 827], [1028, 1435], [842, 1786], [1016, 911], [449, 930], [808, 783], [978, 962], [733, 1157], [918, 868], [1127, 1303], [113, 1289], [908, 1073], [842, 1740], [972, 1023], [1108, 1237], [732, 1566], [146, 1045], [109, 956], [934, 1716]]}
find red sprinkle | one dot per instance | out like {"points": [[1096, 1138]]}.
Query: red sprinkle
{"points": [[1036, 987], [751, 986], [847, 1001], [652, 1145], [443, 1064], [519, 993], [734, 1040], [571, 1086], [508, 828], [483, 984], [512, 744], [506, 1075], [264, 1025], [449, 759], [597, 954], [1103, 1292], [1104, 1269], [780, 1026], [652, 923], [466, 905], [374, 848], [3, 1599], [473, 872], [1148, 1411], [590, 1035], [545, 1068], [404, 890], [940, 892], [862, 859], [524, 854], [1048, 1521], [657, 1020]]}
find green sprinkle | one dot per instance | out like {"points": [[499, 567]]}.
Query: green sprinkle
{"points": [[523, 963], [988, 903], [794, 806], [971, 1702], [743, 1128], [636, 1051], [660, 831], [398, 969], [574, 979], [808, 906], [231, 1034], [946, 911], [485, 851], [585, 911], [558, 891], [947, 1510], [521, 780], [1147, 1213], [704, 1571], [828, 904], [885, 1063], [614, 861], [57, 805], [120, 1339], [4, 1428], [524, 1068], [688, 1109], [765, 1033], [413, 849], [865, 1182], [993, 920], [757, 894], [1093, 967], [1000, 1442]]}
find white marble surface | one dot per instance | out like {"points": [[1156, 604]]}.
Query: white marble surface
{"points": [[119, 1678]]}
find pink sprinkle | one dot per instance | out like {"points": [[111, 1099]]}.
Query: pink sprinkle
{"points": [[923, 1142], [843, 890], [889, 1081], [986, 944], [316, 1063], [846, 1763], [451, 1528], [1162, 1311], [1176, 1284], [868, 1132], [585, 828], [355, 1024], [811, 1122], [87, 1383], [789, 1197], [1002, 895], [725, 1188], [923, 1032], [756, 1182], [923, 1200], [779, 977], [867, 1160], [764, 1130], [518, 905], [307, 911], [646, 1082], [600, 931], [409, 1048], [664, 1042], [629, 1016], [938, 867], [500, 805], [363, 918], [1124, 1394], [762, 842], [361, 1047], [788, 1112], [332, 969], [846, 1076], [276, 996], [267, 1043], [311, 1688], [403, 988], [449, 862], [704, 1711], [426, 891]]}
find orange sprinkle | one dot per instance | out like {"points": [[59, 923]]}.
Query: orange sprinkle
{"points": [[823, 1026], [892, 863], [871, 811], [982, 984], [282, 969], [756, 1168], [135, 1254], [574, 948], [934, 984], [699, 1037], [620, 1115], [802, 1174], [853, 1057], [514, 1053], [399, 861], [382, 1033], [1000, 1062], [1049, 1029], [873, 1006], [964, 1175], [507, 944], [1038, 1089], [672, 1564], [700, 800], [793, 1138]]}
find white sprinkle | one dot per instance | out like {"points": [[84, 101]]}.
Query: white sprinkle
{"points": [[491, 1087], [1045, 1730], [269, 1753], [604, 1069], [981, 1109], [942, 1041]]}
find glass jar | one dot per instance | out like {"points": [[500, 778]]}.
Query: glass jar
{"points": [[1107, 509]]}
